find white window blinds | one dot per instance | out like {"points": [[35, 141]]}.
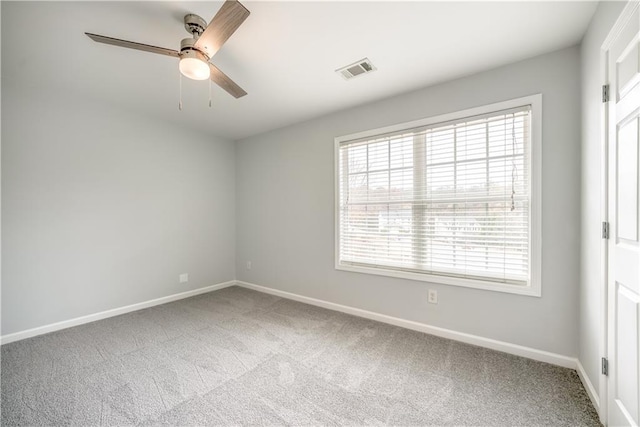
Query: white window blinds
{"points": [[449, 199]]}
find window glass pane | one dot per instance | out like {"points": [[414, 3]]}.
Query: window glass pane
{"points": [[440, 181], [402, 152], [379, 156], [471, 179], [357, 159], [397, 223], [440, 146], [402, 184], [471, 141], [498, 131], [379, 186], [358, 188]]}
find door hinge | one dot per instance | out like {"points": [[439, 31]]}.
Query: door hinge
{"points": [[605, 230], [605, 93], [605, 366]]}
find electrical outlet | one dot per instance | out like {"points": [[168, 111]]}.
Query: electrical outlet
{"points": [[184, 277], [248, 265], [433, 296]]}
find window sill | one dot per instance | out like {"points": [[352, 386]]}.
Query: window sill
{"points": [[530, 290]]}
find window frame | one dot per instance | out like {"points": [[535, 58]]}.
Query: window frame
{"points": [[534, 288]]}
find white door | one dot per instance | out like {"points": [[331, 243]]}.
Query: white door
{"points": [[624, 244]]}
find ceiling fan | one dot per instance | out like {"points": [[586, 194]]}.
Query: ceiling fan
{"points": [[196, 52]]}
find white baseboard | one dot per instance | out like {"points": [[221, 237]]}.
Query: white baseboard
{"points": [[518, 350], [17, 336], [588, 385]]}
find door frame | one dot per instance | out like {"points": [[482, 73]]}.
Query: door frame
{"points": [[605, 129], [603, 346]]}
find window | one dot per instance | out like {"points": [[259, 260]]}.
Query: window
{"points": [[453, 199]]}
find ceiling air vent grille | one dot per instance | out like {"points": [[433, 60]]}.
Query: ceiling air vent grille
{"points": [[356, 69]]}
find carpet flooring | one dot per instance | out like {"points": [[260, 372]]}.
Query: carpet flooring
{"points": [[240, 357]]}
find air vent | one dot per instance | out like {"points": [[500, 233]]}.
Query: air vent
{"points": [[356, 69]]}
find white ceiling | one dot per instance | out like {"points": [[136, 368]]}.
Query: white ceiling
{"points": [[284, 55]]}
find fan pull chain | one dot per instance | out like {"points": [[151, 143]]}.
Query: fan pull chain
{"points": [[209, 93], [180, 101]]}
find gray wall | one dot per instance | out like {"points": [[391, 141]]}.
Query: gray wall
{"points": [[285, 210], [591, 285], [102, 207]]}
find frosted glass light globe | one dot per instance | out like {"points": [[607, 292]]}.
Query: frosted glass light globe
{"points": [[193, 67]]}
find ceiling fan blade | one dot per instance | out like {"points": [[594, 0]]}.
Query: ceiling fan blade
{"points": [[222, 26], [222, 80], [133, 45]]}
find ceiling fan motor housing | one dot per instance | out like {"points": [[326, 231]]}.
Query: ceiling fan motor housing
{"points": [[187, 49]]}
